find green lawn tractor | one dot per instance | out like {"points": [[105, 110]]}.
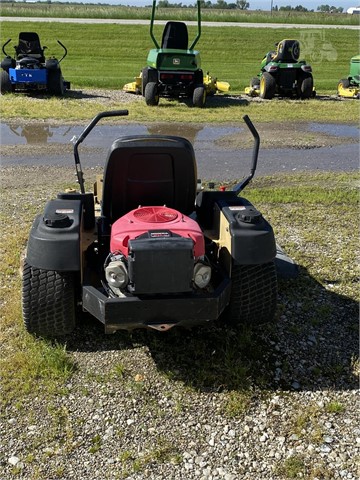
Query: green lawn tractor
{"points": [[350, 86], [283, 73], [173, 68]]}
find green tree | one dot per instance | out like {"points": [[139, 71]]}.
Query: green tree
{"points": [[323, 8], [242, 4]]}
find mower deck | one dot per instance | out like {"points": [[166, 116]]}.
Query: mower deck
{"points": [[212, 85], [350, 92]]}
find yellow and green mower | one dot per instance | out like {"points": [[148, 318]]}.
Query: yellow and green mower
{"points": [[283, 73], [173, 68], [349, 87]]}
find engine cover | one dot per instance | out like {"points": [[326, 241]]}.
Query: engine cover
{"points": [[154, 220]]}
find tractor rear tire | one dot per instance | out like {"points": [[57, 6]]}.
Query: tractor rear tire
{"points": [[151, 94], [344, 83], [55, 84], [147, 75], [52, 64], [48, 301], [305, 85], [267, 86], [253, 294], [144, 80], [199, 97], [255, 82], [5, 83]]}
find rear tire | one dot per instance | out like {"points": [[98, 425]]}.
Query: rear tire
{"points": [[144, 79], [147, 75], [344, 83], [199, 97], [267, 86], [253, 294], [48, 301], [5, 83], [55, 84], [305, 85], [255, 82], [151, 94]]}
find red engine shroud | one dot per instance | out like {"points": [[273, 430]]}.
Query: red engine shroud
{"points": [[143, 219]]}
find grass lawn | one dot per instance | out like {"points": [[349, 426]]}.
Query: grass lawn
{"points": [[108, 56], [103, 56]]}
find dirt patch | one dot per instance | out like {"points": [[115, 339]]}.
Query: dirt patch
{"points": [[284, 135]]}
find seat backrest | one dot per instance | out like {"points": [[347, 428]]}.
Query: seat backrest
{"points": [[287, 51], [29, 46], [175, 35], [151, 170]]}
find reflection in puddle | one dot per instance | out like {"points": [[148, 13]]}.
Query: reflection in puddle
{"points": [[32, 134], [104, 135]]}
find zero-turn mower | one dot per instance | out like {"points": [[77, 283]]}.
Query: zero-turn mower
{"points": [[173, 68], [148, 248], [350, 87], [283, 73], [29, 70]]}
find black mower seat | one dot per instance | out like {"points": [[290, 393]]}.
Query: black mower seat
{"points": [[175, 35], [149, 171], [287, 51], [29, 46]]}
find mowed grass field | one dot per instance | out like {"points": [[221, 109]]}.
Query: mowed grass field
{"points": [[108, 56]]}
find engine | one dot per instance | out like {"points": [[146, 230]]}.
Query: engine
{"points": [[156, 250]]}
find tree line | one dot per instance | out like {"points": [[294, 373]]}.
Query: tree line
{"points": [[244, 5]]}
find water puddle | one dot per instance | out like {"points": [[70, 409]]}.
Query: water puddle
{"points": [[47, 144], [337, 130], [104, 135]]}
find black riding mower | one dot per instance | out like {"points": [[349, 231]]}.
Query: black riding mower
{"points": [[148, 248]]}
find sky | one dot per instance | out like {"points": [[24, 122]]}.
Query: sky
{"points": [[254, 4]]}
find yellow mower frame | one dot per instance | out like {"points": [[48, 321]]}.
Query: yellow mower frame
{"points": [[212, 85], [348, 92]]}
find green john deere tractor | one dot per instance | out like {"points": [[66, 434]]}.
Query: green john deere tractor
{"points": [[173, 67], [283, 73], [350, 86]]}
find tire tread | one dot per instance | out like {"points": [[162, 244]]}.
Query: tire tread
{"points": [[48, 301]]}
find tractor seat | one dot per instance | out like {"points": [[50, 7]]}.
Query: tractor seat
{"points": [[175, 35], [152, 170], [29, 46], [287, 51]]}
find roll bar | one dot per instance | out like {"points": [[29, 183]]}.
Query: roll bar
{"points": [[65, 50], [120, 113], [198, 35], [3, 47], [84, 134], [240, 186]]}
